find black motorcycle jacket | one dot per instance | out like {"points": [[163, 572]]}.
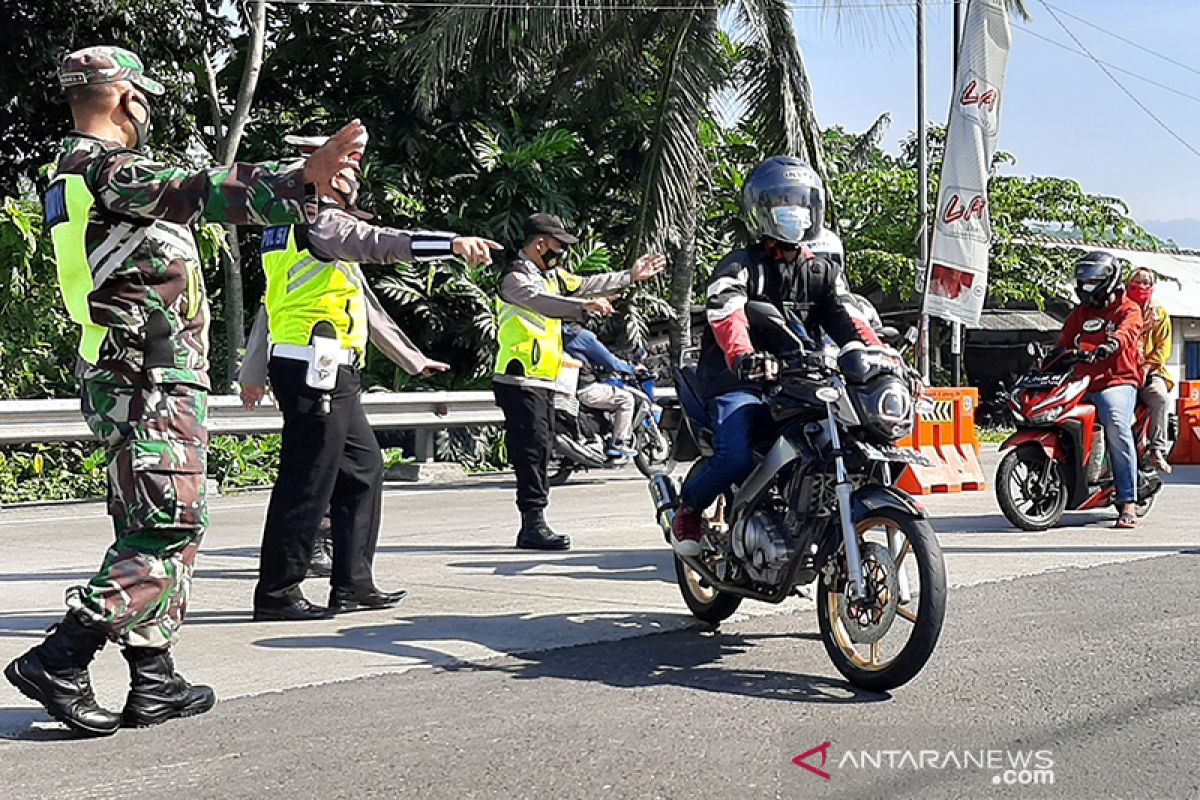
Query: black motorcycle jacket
{"points": [[813, 287]]}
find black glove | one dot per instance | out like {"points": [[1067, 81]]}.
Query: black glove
{"points": [[757, 367], [1106, 350]]}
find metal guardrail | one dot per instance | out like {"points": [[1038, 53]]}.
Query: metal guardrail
{"points": [[31, 421]]}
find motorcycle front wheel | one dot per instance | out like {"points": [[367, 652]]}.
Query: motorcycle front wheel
{"points": [[706, 603], [653, 452], [1030, 489], [560, 471], [881, 641]]}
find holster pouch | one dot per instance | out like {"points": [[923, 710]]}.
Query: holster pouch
{"points": [[324, 356]]}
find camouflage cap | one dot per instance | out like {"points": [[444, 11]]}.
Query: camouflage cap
{"points": [[105, 64]]}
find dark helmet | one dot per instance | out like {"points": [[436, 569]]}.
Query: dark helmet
{"points": [[1098, 278], [784, 199]]}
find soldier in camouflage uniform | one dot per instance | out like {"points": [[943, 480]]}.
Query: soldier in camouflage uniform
{"points": [[130, 276]]}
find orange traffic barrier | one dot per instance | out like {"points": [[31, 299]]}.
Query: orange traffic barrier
{"points": [[947, 437], [1187, 446]]}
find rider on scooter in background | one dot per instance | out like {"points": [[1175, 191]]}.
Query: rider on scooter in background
{"points": [[784, 201], [605, 394], [1106, 330]]}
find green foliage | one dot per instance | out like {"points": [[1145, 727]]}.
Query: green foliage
{"points": [[167, 34], [37, 339], [237, 462], [394, 457], [478, 449], [46, 472]]}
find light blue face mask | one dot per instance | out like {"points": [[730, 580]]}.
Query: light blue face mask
{"points": [[791, 222]]}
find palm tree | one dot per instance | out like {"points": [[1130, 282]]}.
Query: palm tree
{"points": [[592, 47], [698, 58]]}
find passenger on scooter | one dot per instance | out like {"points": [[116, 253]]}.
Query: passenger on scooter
{"points": [[605, 395], [1156, 384], [1105, 329], [784, 201]]}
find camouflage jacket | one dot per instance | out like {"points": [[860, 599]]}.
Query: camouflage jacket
{"points": [[148, 289]]}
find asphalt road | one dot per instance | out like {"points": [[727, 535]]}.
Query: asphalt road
{"points": [[1074, 653]]}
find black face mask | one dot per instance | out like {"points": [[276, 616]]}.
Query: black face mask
{"points": [[552, 259], [141, 129]]}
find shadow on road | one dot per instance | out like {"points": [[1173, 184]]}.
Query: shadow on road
{"points": [[30, 724], [688, 656], [616, 565]]}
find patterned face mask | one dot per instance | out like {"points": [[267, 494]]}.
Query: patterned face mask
{"points": [[791, 222]]}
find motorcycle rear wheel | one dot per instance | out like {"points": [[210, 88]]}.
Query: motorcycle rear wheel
{"points": [[894, 544], [1025, 507]]}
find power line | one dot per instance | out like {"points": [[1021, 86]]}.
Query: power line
{"points": [[1109, 64], [515, 5], [1120, 85], [1127, 41]]}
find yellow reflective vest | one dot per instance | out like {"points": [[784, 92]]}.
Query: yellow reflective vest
{"points": [[68, 210], [303, 290], [531, 345]]}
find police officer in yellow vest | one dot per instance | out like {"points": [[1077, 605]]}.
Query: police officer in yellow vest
{"points": [[535, 296], [330, 459]]}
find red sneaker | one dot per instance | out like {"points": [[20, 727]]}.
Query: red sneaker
{"points": [[686, 532]]}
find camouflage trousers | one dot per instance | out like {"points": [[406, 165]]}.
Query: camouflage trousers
{"points": [[156, 444]]}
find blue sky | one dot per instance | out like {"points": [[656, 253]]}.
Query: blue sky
{"points": [[1061, 117]]}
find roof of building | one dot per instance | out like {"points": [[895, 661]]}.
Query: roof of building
{"points": [[1003, 319], [1179, 288]]}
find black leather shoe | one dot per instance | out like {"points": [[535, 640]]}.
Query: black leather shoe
{"points": [[157, 692], [535, 534], [296, 611], [343, 600], [320, 564], [55, 674]]}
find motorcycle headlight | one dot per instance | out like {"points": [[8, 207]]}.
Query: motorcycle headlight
{"points": [[1047, 416], [885, 407]]}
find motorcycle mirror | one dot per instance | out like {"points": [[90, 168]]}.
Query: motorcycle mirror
{"points": [[1034, 349], [911, 335]]}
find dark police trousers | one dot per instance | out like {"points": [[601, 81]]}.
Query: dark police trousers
{"points": [[529, 429], [329, 461]]}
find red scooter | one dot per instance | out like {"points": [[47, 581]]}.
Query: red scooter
{"points": [[1056, 460]]}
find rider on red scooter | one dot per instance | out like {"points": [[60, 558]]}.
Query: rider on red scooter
{"points": [[1105, 329]]}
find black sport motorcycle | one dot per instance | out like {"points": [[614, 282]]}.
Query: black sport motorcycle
{"points": [[581, 434], [820, 506]]}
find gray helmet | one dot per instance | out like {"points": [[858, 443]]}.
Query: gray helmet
{"points": [[784, 200]]}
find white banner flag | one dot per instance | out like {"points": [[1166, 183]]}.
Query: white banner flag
{"points": [[956, 281]]}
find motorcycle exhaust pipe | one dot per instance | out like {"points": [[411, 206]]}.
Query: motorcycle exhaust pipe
{"points": [[666, 500]]}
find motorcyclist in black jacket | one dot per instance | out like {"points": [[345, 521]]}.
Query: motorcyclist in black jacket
{"points": [[784, 200]]}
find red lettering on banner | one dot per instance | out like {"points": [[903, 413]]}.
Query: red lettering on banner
{"points": [[957, 212], [986, 100]]}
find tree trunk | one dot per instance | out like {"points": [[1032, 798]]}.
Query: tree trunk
{"points": [[683, 273], [235, 319]]}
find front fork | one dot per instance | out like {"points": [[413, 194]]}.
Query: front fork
{"points": [[845, 491]]}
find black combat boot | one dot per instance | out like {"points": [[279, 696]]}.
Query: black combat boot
{"points": [[157, 692], [535, 534], [55, 674]]}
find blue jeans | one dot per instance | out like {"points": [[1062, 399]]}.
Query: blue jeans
{"points": [[738, 418], [1114, 409]]}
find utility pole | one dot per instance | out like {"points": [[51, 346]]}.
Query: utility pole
{"points": [[957, 333], [922, 191]]}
